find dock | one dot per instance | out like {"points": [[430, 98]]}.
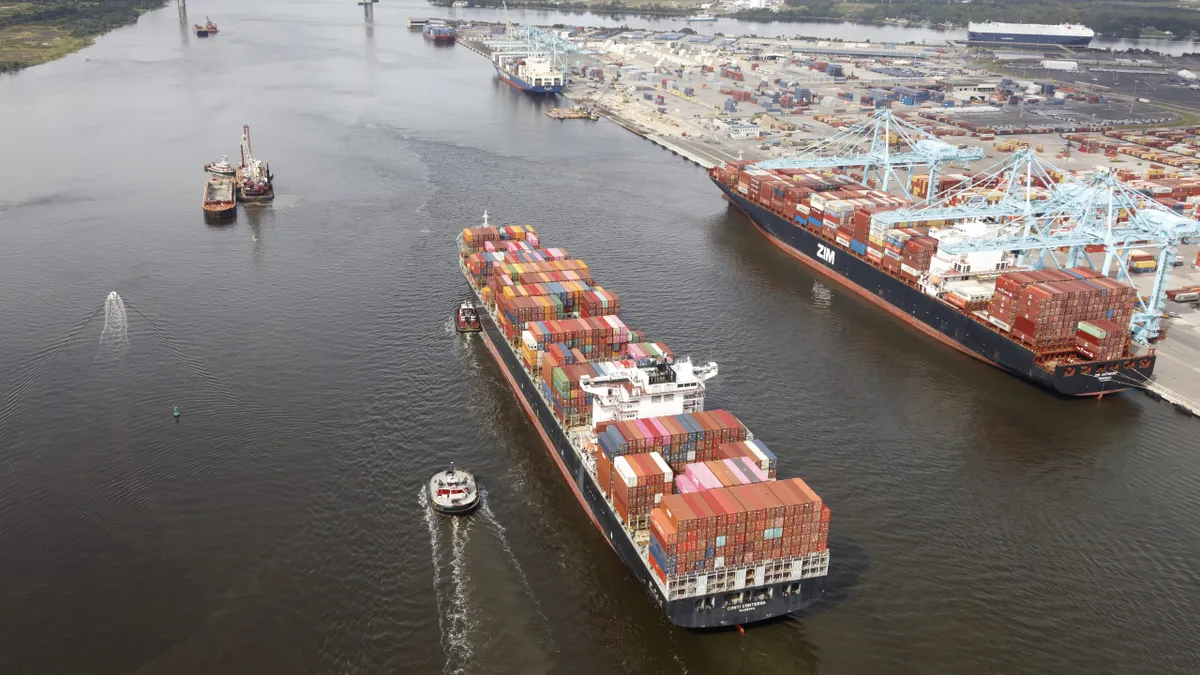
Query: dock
{"points": [[576, 113]]}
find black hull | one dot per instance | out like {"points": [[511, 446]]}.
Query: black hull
{"points": [[681, 612], [937, 318]]}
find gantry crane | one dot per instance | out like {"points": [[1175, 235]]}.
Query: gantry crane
{"points": [[868, 144], [1098, 210]]}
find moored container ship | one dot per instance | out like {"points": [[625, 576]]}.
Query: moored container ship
{"points": [[438, 33], [530, 74], [688, 499], [1065, 330]]}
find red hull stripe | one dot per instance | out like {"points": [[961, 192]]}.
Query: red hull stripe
{"points": [[545, 439]]}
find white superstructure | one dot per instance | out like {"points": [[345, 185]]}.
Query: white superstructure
{"points": [[1066, 30], [649, 391]]}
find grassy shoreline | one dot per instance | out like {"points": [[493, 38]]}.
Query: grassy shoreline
{"points": [[32, 34]]}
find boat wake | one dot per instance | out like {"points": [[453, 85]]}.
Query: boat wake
{"points": [[114, 338], [493, 524], [453, 606], [11, 404], [224, 394]]}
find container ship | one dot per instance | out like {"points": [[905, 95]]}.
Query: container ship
{"points": [[688, 499], [989, 32], [438, 33], [530, 74], [1065, 330]]}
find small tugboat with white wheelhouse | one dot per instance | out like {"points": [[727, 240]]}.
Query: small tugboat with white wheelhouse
{"points": [[453, 492], [466, 319]]}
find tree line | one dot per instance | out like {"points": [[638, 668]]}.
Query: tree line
{"points": [[82, 19]]}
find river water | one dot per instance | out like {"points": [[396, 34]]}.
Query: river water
{"points": [[853, 32], [979, 525]]}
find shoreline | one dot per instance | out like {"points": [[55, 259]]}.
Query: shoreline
{"points": [[35, 44]]}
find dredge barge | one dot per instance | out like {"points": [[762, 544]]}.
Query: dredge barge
{"points": [[687, 498]]}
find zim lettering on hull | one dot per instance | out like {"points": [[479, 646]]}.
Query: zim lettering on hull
{"points": [[825, 253]]}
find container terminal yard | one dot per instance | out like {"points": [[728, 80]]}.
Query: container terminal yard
{"points": [[733, 104]]}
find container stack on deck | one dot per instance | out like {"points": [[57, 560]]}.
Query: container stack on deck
{"points": [[1044, 309], [713, 529], [680, 439]]}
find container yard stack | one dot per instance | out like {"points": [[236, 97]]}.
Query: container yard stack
{"points": [[624, 420]]}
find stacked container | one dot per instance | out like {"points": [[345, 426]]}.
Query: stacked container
{"points": [[737, 526], [680, 439], [1141, 262], [719, 473], [599, 302], [639, 483], [600, 337], [916, 256], [756, 451], [1101, 340]]}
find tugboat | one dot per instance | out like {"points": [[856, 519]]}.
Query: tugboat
{"points": [[221, 168], [210, 26], [453, 492], [467, 318], [201, 31], [219, 201]]}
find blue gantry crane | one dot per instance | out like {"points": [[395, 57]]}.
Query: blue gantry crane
{"points": [[1097, 210], [869, 144], [532, 42], [1016, 186]]}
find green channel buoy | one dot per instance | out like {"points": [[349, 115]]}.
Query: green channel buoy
{"points": [[176, 412]]}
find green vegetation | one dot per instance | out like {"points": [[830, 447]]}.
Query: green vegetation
{"points": [[37, 31], [1126, 19], [1121, 18]]}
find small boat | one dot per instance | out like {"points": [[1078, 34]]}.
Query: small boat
{"points": [[201, 31], [701, 17], [210, 26], [453, 492], [219, 198], [467, 319], [221, 168]]}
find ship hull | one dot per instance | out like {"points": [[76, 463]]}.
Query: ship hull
{"points": [[681, 612], [440, 39], [938, 319], [521, 85], [975, 37]]}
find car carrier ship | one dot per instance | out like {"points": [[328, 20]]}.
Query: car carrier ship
{"points": [[1065, 330], [996, 33], [687, 498]]}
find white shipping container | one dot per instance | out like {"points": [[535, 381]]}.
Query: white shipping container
{"points": [[668, 475], [1060, 65], [626, 471]]}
